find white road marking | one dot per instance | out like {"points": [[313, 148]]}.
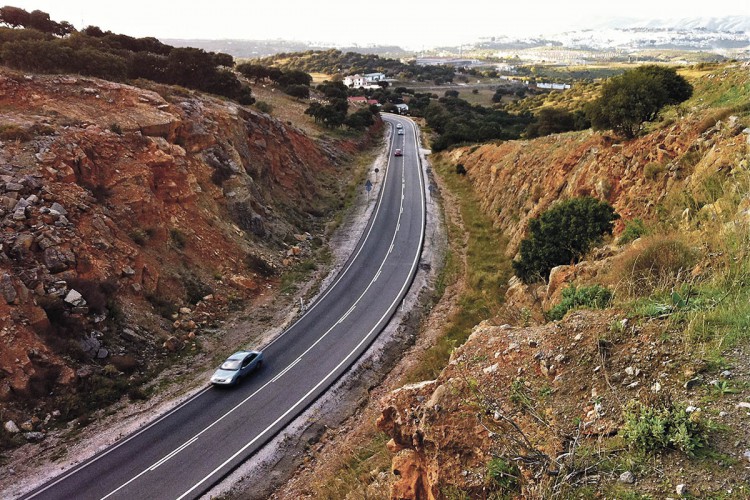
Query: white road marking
{"points": [[283, 372]]}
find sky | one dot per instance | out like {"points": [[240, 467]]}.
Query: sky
{"points": [[412, 24]]}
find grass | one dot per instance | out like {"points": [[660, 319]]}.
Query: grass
{"points": [[487, 270], [355, 470]]}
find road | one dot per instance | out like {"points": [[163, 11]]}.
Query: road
{"points": [[186, 451]]}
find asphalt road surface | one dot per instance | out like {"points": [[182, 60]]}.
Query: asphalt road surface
{"points": [[186, 451]]}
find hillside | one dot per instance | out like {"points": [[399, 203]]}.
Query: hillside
{"points": [[575, 408], [645, 398], [135, 221]]}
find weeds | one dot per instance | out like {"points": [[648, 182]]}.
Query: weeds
{"points": [[659, 264], [594, 297], [487, 270], [634, 229], [664, 425], [502, 476]]}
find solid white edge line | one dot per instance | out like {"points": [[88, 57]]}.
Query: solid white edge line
{"points": [[365, 338]]}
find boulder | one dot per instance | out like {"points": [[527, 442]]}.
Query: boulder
{"points": [[172, 344], [33, 437], [75, 299], [11, 427], [57, 259], [7, 289]]}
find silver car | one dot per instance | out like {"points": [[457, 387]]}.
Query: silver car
{"points": [[238, 365]]}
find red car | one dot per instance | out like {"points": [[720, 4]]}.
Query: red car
{"points": [[398, 153]]}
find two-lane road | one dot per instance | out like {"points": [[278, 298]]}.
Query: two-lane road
{"points": [[186, 451]]}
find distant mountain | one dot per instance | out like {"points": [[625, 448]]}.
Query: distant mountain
{"points": [[253, 49], [729, 24], [720, 35]]}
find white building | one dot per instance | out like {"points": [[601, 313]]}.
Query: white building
{"points": [[366, 81]]}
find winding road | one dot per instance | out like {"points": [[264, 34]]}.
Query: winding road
{"points": [[192, 447]]}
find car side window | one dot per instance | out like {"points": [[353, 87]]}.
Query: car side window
{"points": [[249, 360]]}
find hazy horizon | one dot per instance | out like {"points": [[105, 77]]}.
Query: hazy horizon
{"points": [[412, 25]]}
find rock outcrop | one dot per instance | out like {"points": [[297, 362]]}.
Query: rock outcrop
{"points": [[119, 205]]}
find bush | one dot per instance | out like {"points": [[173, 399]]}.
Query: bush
{"points": [[594, 297], [652, 170], [195, 289], [663, 426], [14, 133], [95, 293], [657, 264], [178, 238], [634, 229], [263, 106], [502, 476], [562, 235], [298, 91], [162, 305]]}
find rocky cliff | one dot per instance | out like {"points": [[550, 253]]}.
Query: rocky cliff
{"points": [[132, 219], [534, 411]]}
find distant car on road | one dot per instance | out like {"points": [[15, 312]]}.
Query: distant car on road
{"points": [[398, 152], [398, 125], [237, 366], [400, 131]]}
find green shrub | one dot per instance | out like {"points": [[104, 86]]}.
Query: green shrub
{"points": [[634, 229], [502, 475], [663, 426], [178, 238], [652, 170], [594, 297], [263, 106], [139, 236], [561, 235]]}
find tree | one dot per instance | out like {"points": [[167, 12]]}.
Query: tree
{"points": [[294, 78], [93, 31], [222, 59], [562, 235], [555, 120], [14, 17], [41, 21], [298, 91], [359, 120], [147, 65], [255, 71], [189, 67], [635, 97]]}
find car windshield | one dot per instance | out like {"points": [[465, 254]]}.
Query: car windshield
{"points": [[231, 364]]}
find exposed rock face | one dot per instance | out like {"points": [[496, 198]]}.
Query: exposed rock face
{"points": [[519, 180], [118, 205], [507, 392]]}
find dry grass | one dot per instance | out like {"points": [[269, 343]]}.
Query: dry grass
{"points": [[658, 262], [287, 108]]}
